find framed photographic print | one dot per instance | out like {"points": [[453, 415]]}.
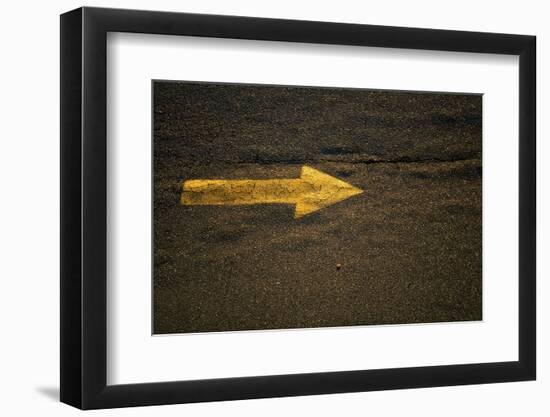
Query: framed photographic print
{"points": [[257, 208]]}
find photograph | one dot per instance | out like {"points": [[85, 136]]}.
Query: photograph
{"points": [[300, 207]]}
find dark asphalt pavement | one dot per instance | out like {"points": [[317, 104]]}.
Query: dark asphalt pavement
{"points": [[408, 247]]}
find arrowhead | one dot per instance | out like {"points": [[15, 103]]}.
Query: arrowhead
{"points": [[323, 190]]}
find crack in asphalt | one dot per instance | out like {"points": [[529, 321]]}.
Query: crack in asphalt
{"points": [[404, 160]]}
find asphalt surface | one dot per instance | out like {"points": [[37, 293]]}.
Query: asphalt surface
{"points": [[406, 250]]}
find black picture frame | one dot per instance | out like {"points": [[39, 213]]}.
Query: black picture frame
{"points": [[84, 207]]}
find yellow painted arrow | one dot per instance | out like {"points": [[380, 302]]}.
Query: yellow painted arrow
{"points": [[313, 191]]}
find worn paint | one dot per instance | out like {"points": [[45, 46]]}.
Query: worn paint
{"points": [[313, 191]]}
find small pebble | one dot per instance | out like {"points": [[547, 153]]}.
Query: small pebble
{"points": [[338, 266]]}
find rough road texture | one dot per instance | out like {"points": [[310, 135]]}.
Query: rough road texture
{"points": [[406, 250]]}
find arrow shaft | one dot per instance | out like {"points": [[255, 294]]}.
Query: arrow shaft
{"points": [[243, 192]]}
